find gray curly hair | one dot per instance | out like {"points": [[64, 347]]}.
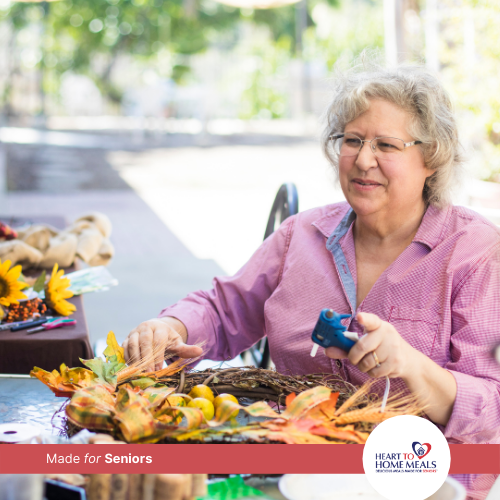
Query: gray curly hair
{"points": [[418, 92]]}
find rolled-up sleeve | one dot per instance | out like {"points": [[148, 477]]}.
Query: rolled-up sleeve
{"points": [[476, 332], [229, 318]]}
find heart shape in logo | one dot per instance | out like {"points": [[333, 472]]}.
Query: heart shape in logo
{"points": [[419, 447]]}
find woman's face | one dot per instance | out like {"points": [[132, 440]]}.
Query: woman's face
{"points": [[375, 186]]}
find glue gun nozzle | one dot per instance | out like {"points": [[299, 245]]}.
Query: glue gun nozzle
{"points": [[314, 350]]}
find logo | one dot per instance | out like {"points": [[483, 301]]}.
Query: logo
{"points": [[398, 466], [420, 452]]}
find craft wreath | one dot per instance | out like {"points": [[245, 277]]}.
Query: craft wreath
{"points": [[139, 406]]}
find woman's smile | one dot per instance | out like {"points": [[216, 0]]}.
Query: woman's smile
{"points": [[365, 184]]}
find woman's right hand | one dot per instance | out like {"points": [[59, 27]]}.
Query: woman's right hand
{"points": [[165, 331]]}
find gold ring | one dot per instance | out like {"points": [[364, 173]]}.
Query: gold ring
{"points": [[375, 357]]}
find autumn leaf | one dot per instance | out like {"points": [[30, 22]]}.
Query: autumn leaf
{"points": [[325, 410], [143, 382], [114, 349], [290, 398], [305, 401], [106, 371], [229, 409], [69, 380]]}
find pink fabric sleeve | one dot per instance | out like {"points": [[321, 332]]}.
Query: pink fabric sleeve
{"points": [[230, 317], [476, 331]]}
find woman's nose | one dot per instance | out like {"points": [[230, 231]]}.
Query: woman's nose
{"points": [[366, 159]]}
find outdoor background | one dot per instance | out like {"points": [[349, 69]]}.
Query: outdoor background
{"points": [[180, 119]]}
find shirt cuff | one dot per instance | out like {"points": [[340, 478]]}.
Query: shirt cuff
{"points": [[472, 421]]}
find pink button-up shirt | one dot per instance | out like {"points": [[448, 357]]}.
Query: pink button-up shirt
{"points": [[442, 294]]}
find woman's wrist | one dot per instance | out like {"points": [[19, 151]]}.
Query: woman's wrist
{"points": [[414, 366], [433, 386]]}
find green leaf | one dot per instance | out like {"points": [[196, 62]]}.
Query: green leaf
{"points": [[143, 382], [105, 371], [40, 282]]}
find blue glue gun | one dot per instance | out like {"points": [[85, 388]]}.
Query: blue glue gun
{"points": [[329, 332]]}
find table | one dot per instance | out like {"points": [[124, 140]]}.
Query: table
{"points": [[26, 400], [20, 352]]}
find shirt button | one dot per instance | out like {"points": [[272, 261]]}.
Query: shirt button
{"points": [[338, 363]]}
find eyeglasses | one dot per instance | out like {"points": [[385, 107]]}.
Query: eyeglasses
{"points": [[384, 148]]}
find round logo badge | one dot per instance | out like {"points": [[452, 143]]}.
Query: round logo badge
{"points": [[406, 457]]}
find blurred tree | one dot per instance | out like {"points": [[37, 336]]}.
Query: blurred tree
{"points": [[89, 37]]}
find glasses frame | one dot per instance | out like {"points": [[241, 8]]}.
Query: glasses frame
{"points": [[333, 137]]}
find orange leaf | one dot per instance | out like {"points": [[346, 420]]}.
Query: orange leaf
{"points": [[325, 410], [290, 398], [305, 401]]}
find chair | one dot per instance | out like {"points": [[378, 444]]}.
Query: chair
{"points": [[285, 204]]}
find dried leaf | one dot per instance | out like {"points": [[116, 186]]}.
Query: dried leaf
{"points": [[114, 349], [69, 380], [326, 410], [305, 401], [290, 398], [143, 382], [227, 410]]}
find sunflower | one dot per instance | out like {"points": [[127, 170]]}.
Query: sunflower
{"points": [[56, 291], [10, 286]]}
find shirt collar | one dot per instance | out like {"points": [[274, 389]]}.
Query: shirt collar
{"points": [[431, 229], [430, 232], [327, 224]]}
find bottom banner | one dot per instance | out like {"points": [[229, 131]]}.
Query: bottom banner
{"points": [[217, 459]]}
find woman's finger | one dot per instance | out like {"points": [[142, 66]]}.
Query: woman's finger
{"points": [[125, 349], [336, 353], [146, 348], [134, 353], [370, 321], [365, 345], [187, 351], [162, 340]]}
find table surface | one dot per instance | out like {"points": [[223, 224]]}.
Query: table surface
{"points": [[27, 401], [20, 352]]}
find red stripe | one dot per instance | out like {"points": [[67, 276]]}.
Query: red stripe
{"points": [[223, 459]]}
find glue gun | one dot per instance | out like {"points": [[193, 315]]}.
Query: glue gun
{"points": [[329, 332]]}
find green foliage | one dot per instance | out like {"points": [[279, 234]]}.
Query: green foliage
{"points": [[40, 282], [262, 98], [105, 370], [89, 36], [471, 75]]}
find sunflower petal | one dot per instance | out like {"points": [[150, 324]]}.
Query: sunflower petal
{"points": [[14, 273], [4, 267]]}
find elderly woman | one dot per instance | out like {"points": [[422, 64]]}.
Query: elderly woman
{"points": [[419, 276]]}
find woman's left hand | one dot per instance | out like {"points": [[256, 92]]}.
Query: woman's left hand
{"points": [[395, 356]]}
